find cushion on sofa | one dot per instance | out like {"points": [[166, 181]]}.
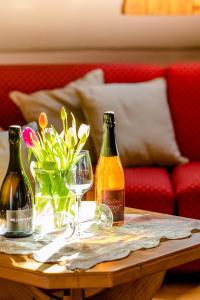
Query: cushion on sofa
{"points": [[51, 102], [186, 182], [144, 129], [30, 78], [149, 188], [184, 100]]}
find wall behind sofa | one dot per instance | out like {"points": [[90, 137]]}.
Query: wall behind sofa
{"points": [[92, 30]]}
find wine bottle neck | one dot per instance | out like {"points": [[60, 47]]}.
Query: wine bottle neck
{"points": [[15, 163], [109, 147]]}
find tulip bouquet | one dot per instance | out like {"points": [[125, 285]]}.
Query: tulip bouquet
{"points": [[54, 154], [52, 147]]}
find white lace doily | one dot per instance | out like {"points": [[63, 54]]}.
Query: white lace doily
{"points": [[97, 245]]}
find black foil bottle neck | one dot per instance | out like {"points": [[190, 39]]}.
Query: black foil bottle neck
{"points": [[15, 162], [109, 147]]}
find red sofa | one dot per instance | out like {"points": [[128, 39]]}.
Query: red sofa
{"points": [[153, 188]]}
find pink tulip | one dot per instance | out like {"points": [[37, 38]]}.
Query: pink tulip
{"points": [[29, 137]]}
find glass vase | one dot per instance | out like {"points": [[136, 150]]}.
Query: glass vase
{"points": [[54, 203]]}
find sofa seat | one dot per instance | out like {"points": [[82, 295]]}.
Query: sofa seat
{"points": [[149, 188], [192, 267], [186, 182]]}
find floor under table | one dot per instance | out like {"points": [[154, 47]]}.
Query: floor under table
{"points": [[180, 287]]}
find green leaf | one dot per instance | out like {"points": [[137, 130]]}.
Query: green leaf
{"points": [[29, 154], [47, 165]]}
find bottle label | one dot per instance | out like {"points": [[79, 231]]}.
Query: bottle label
{"points": [[19, 220], [115, 200]]}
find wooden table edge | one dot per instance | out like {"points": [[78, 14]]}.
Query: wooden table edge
{"points": [[99, 279]]}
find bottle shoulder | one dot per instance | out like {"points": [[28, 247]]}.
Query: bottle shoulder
{"points": [[110, 170], [16, 179], [16, 174], [109, 162]]}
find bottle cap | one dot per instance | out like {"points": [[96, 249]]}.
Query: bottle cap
{"points": [[15, 128], [109, 117], [14, 133]]}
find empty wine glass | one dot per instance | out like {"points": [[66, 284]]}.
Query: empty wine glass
{"points": [[100, 214], [103, 216], [80, 179]]}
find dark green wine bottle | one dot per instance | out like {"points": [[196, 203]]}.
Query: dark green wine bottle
{"points": [[16, 196]]}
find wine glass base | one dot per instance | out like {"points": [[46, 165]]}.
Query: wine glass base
{"points": [[104, 216]]}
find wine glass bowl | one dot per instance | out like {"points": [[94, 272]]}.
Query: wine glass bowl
{"points": [[80, 180]]}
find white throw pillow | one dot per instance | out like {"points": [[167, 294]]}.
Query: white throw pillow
{"points": [[144, 129], [51, 101]]}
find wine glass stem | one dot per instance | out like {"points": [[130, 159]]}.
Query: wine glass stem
{"points": [[78, 200]]}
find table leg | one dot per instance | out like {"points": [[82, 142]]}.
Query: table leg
{"points": [[142, 289], [77, 294]]}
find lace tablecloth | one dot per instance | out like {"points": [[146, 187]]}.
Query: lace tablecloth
{"points": [[97, 245]]}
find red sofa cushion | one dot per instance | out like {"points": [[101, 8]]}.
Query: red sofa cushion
{"points": [[149, 188], [192, 267], [184, 100], [29, 78], [186, 181]]}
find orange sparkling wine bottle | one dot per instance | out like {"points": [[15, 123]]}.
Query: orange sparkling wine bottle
{"points": [[109, 175]]}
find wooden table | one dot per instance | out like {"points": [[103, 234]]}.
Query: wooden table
{"points": [[139, 275]]}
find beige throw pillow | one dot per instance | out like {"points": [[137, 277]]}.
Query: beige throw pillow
{"points": [[144, 129], [51, 101], [5, 154]]}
